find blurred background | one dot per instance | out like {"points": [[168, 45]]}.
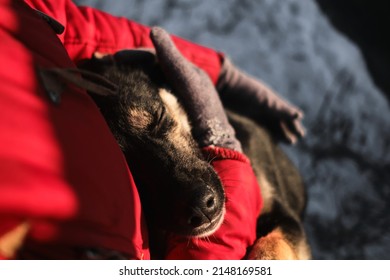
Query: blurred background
{"points": [[332, 59]]}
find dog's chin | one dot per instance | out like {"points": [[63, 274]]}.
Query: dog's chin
{"points": [[210, 228]]}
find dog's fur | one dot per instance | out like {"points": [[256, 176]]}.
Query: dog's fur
{"points": [[180, 191]]}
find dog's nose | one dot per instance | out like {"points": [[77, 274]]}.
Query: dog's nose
{"points": [[204, 209]]}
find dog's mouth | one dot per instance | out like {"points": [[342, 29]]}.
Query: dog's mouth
{"points": [[208, 229]]}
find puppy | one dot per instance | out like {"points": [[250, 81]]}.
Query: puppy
{"points": [[179, 189]]}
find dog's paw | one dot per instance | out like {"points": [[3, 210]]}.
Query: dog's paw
{"points": [[273, 246]]}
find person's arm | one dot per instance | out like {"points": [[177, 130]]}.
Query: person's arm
{"points": [[88, 30]]}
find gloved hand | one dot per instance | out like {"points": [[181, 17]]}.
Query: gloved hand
{"points": [[259, 101], [197, 93]]}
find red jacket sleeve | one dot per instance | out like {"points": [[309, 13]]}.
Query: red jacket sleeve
{"points": [[243, 205], [57, 161], [88, 30]]}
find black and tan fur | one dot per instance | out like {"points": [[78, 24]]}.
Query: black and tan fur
{"points": [[180, 191]]}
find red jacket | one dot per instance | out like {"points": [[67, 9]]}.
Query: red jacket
{"points": [[60, 167]]}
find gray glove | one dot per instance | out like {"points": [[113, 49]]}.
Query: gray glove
{"points": [[259, 101], [200, 99]]}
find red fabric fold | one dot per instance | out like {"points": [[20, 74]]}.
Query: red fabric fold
{"points": [[243, 206]]}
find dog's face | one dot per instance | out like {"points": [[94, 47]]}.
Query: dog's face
{"points": [[179, 189]]}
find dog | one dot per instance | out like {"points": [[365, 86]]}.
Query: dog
{"points": [[179, 189]]}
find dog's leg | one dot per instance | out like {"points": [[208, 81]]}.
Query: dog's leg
{"points": [[273, 246], [280, 237]]}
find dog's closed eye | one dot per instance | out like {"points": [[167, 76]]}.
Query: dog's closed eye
{"points": [[159, 119]]}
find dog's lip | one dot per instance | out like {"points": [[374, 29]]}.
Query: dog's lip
{"points": [[209, 228]]}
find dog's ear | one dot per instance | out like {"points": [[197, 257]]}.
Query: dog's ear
{"points": [[138, 58], [98, 63], [144, 60]]}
